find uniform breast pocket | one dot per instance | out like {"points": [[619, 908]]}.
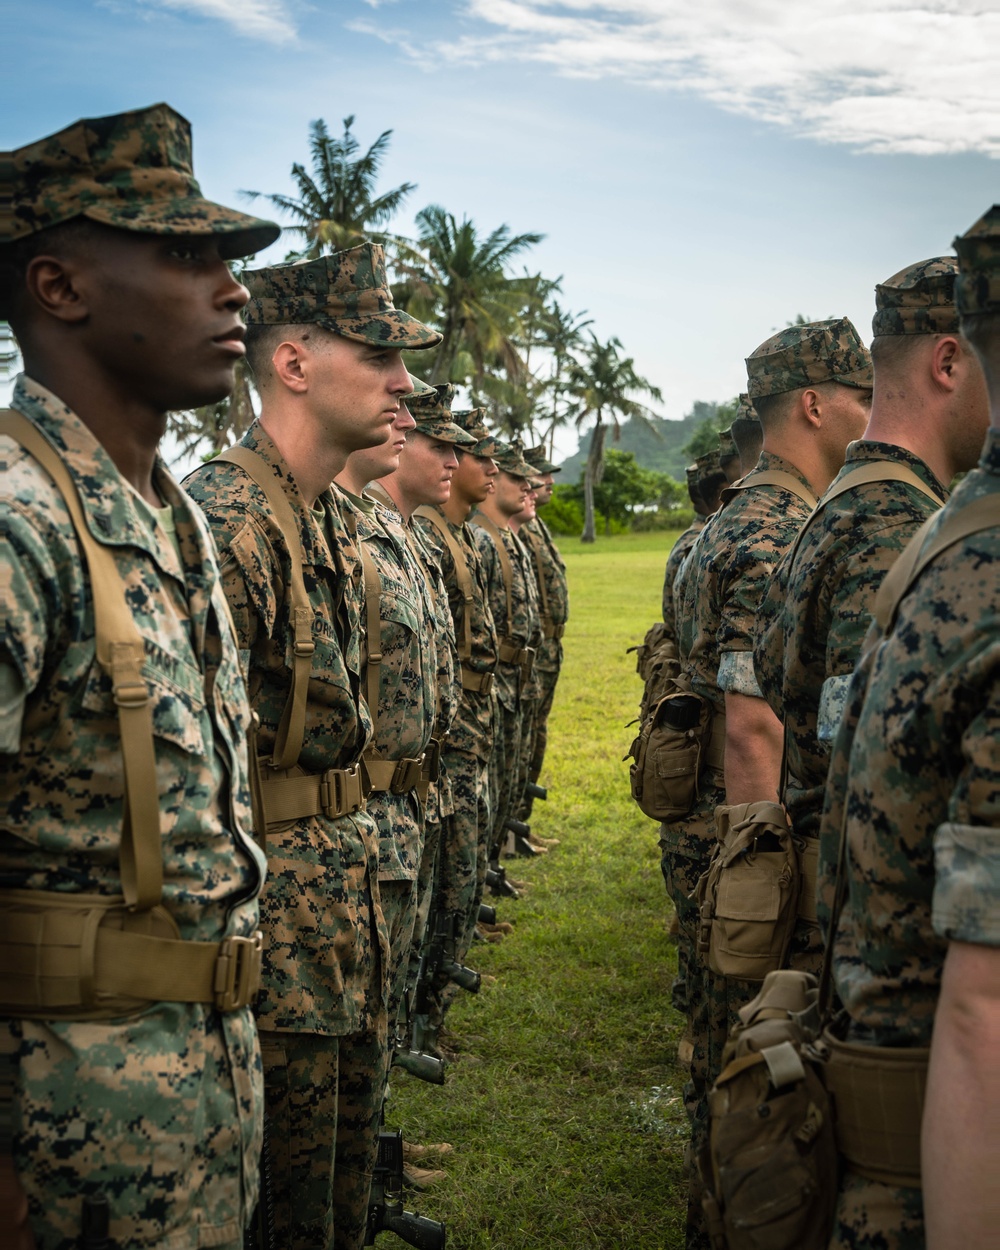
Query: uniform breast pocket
{"points": [[177, 698], [401, 646]]}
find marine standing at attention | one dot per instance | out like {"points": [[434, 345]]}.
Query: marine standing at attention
{"points": [[130, 1076]]}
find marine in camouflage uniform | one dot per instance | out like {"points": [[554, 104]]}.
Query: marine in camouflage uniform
{"points": [[153, 1106], [553, 608], [916, 768], [464, 849], [726, 578], [416, 483], [515, 613], [818, 607], [322, 1011]]}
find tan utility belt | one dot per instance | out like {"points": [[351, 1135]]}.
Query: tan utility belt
{"points": [[396, 776], [87, 957], [878, 1097], [511, 652], [551, 630], [430, 770], [478, 683], [296, 794]]}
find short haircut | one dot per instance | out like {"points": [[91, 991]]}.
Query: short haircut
{"points": [[774, 409], [712, 485], [79, 234], [262, 341]]}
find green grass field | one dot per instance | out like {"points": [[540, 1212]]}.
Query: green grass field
{"points": [[566, 1118]]}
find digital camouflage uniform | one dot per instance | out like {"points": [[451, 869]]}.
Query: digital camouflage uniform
{"points": [[917, 763], [724, 583], [465, 756], [817, 611], [322, 1011], [406, 699], [157, 1111], [553, 607], [517, 632]]}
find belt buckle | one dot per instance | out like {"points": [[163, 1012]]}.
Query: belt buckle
{"points": [[486, 685], [406, 775], [237, 971], [335, 790]]}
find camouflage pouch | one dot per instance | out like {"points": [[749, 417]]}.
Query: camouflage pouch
{"points": [[748, 898], [770, 1166], [668, 754]]}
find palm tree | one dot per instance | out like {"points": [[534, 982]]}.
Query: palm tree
{"points": [[562, 334], [337, 206], [466, 289], [603, 385]]}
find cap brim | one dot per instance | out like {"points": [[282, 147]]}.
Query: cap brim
{"points": [[484, 449], [863, 379], [421, 389], [238, 233], [392, 328], [447, 432]]}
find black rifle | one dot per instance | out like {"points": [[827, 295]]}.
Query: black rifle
{"points": [[487, 914], [414, 1051], [261, 1235], [94, 1224], [497, 883], [534, 791], [385, 1206]]}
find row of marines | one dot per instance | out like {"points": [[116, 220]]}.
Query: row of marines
{"points": [[834, 714], [261, 735]]}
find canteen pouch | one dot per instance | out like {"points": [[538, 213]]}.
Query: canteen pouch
{"points": [[748, 898], [668, 755], [770, 1166]]}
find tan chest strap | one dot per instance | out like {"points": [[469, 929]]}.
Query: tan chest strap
{"points": [[771, 477], [122, 655], [510, 649], [537, 546], [462, 576]]}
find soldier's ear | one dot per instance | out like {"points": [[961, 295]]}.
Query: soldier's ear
{"points": [[811, 407], [58, 286], [944, 358], [290, 363]]}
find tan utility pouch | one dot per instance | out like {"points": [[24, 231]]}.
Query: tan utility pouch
{"points": [[878, 1097], [669, 755], [748, 898], [87, 957], [770, 1168]]}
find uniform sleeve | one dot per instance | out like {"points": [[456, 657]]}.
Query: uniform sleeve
{"points": [[769, 640], [250, 572]]}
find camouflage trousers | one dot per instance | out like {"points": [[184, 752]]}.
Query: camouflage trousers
{"points": [[426, 880], [687, 847], [399, 907], [529, 720], [505, 764], [159, 1113], [872, 1216], [324, 1102], [546, 681], [464, 850]]}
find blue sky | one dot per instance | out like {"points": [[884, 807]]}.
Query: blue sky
{"points": [[701, 173]]}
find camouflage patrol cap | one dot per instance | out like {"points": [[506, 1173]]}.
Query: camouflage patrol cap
{"points": [[128, 170], [709, 462], [472, 422], [538, 460], [746, 411], [346, 293], [806, 355], [432, 413], [421, 390], [691, 472], [920, 299], [977, 289], [510, 458], [727, 446]]}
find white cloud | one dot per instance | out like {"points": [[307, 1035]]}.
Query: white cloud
{"points": [[269, 20], [917, 76]]}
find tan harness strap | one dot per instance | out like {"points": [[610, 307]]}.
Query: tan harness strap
{"points": [[292, 728], [771, 477], [478, 683], [536, 545], [121, 653], [462, 575], [982, 513], [505, 568], [373, 627]]}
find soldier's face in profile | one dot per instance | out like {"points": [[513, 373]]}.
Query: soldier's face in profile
{"points": [[543, 492], [511, 493], [426, 468], [846, 410], [160, 315], [355, 390], [474, 477]]}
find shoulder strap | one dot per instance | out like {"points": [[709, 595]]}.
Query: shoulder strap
{"points": [[505, 567], [982, 513], [771, 477], [122, 654], [462, 575], [291, 730], [876, 471], [373, 619], [536, 543]]}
